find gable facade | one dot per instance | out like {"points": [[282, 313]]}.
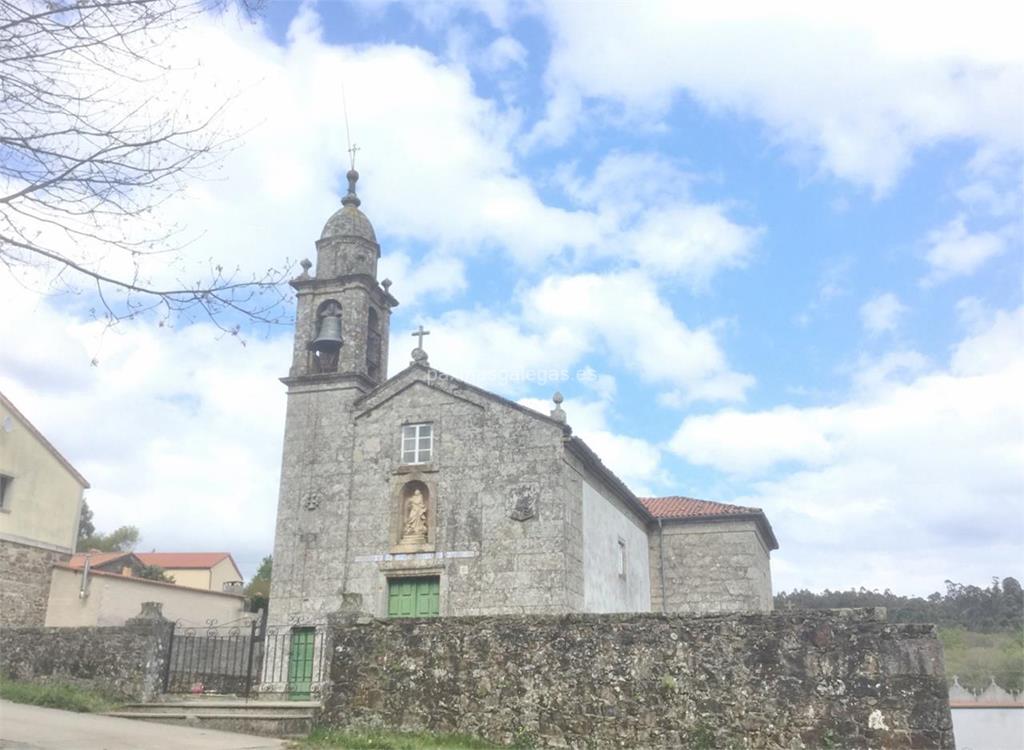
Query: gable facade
{"points": [[40, 502]]}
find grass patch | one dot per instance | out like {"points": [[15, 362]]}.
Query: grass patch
{"points": [[339, 739], [976, 657], [56, 695]]}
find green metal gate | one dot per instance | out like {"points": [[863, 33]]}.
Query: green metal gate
{"points": [[414, 597], [300, 663]]}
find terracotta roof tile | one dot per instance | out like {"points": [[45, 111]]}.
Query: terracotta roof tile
{"points": [[183, 559], [683, 509], [95, 558], [677, 506]]}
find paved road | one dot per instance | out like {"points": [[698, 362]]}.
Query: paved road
{"points": [[33, 728]]}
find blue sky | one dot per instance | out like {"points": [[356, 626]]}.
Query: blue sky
{"points": [[785, 249]]}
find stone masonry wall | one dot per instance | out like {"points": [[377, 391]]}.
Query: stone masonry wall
{"points": [[710, 568], [25, 573], [821, 679], [337, 554], [128, 660]]}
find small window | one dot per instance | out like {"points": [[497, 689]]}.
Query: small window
{"points": [[417, 443], [622, 558], [5, 491]]}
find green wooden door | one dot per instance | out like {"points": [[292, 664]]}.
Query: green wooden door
{"points": [[300, 663], [414, 597]]}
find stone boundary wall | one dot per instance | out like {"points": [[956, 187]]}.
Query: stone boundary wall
{"points": [[128, 661], [25, 582], [813, 679]]}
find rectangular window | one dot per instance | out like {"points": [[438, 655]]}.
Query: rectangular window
{"points": [[622, 558], [417, 443], [414, 597], [5, 491]]}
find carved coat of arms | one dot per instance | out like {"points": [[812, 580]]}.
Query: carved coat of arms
{"points": [[523, 501]]}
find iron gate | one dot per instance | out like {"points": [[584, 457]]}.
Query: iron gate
{"points": [[214, 659], [236, 658]]}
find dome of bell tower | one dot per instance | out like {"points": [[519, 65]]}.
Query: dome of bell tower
{"points": [[349, 221]]}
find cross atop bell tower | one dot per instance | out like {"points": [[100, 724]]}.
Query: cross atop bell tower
{"points": [[343, 314]]}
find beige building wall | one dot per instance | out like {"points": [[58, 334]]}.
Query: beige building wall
{"points": [[195, 578], [43, 496], [221, 573], [112, 599]]}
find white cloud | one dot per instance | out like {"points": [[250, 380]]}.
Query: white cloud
{"points": [[626, 315], [647, 214], [450, 183], [913, 473], [502, 53], [164, 426], [882, 313], [858, 90], [956, 251], [873, 374], [436, 277], [563, 320], [749, 442], [634, 460], [689, 241]]}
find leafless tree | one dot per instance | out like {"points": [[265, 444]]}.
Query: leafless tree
{"points": [[90, 146]]}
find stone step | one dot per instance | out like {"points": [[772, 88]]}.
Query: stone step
{"points": [[263, 722], [228, 704], [185, 715]]}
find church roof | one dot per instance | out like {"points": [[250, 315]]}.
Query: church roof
{"points": [[674, 508], [680, 508]]}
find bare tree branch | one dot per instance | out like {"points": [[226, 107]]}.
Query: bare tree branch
{"points": [[89, 148]]}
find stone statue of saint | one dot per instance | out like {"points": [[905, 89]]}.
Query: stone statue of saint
{"points": [[415, 518]]}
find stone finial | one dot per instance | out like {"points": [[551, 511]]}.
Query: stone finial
{"points": [[387, 285], [558, 413], [351, 199], [306, 264]]}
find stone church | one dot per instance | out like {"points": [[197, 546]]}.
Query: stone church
{"points": [[422, 495]]}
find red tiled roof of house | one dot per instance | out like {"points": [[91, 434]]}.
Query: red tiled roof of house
{"points": [[95, 558], [183, 559], [679, 508], [198, 560]]}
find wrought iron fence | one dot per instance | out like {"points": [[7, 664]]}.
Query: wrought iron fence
{"points": [[293, 662], [213, 659], [239, 658]]}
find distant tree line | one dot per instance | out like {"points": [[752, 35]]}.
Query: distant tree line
{"points": [[121, 539], [996, 608]]}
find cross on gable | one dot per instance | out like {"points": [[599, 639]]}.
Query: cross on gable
{"points": [[421, 333]]}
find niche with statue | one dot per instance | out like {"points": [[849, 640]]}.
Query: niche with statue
{"points": [[414, 517]]}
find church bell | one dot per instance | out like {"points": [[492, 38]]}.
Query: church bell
{"points": [[329, 337]]}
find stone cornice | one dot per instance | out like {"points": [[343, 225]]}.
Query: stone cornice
{"points": [[314, 284]]}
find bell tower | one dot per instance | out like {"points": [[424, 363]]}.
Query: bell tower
{"points": [[343, 313], [340, 353]]}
